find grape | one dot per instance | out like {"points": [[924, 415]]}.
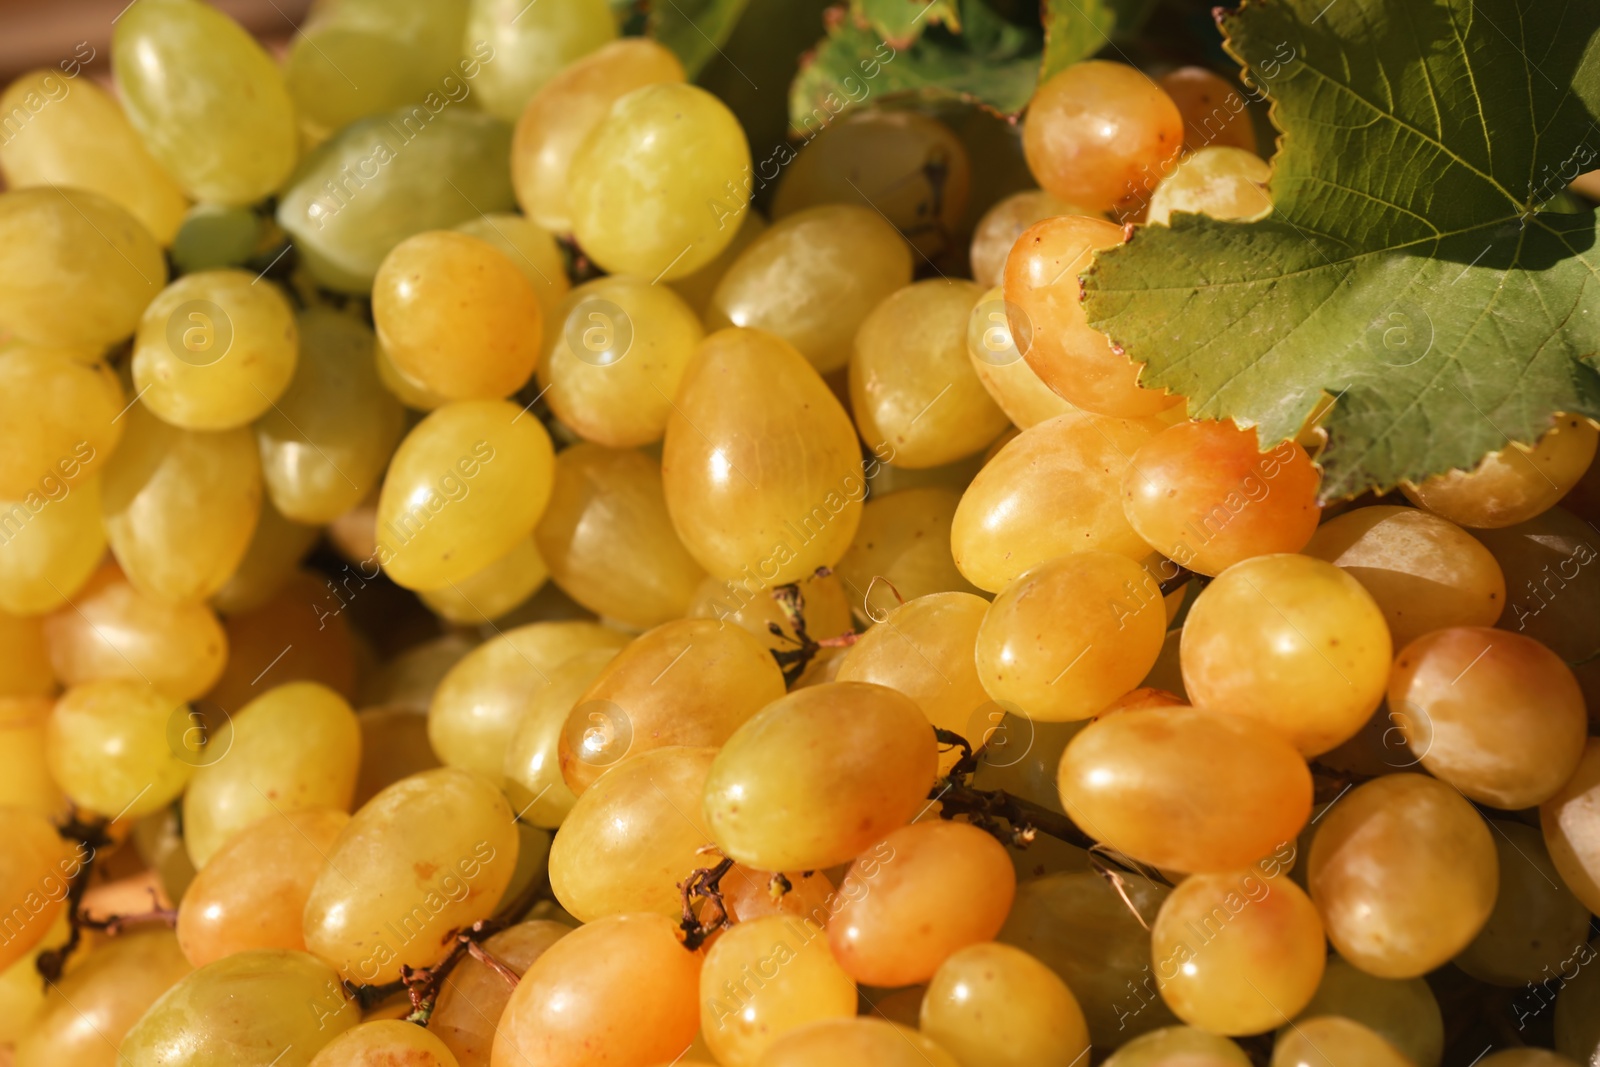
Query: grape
{"points": [[1425, 573], [826, 612], [1178, 1046], [83, 140], [34, 867], [1097, 130], [813, 278], [1403, 872], [1204, 495], [908, 166], [1051, 490], [180, 506], [60, 416], [1333, 1042], [1495, 714], [1003, 223], [765, 978], [75, 268], [912, 386], [326, 440], [385, 178], [698, 288], [86, 1015], [496, 590], [1514, 484], [295, 1007], [748, 895], [524, 47], [657, 187], [1065, 639], [1577, 1008], [996, 358], [252, 892], [108, 745], [627, 712], [276, 548], [1536, 923], [294, 747], [904, 538], [1237, 791], [474, 997], [428, 855], [21, 992], [859, 1042], [566, 109], [1292, 642], [533, 778], [564, 1009], [25, 780], [1222, 182], [50, 543], [915, 897], [1044, 307], [394, 745], [1571, 823], [997, 1006], [1214, 112], [819, 776], [385, 1041], [1526, 1057], [1403, 1013], [486, 468], [301, 634], [1236, 953], [761, 466], [531, 250], [158, 839]]}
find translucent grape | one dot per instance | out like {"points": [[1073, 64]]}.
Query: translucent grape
{"points": [[529, 47], [859, 1042], [1222, 182], [820, 775], [1571, 823], [996, 358], [301, 634], [394, 745], [385, 1041], [1404, 874], [1333, 1042], [1514, 484], [1003, 223], [1536, 924], [698, 288], [269, 564], [21, 991], [532, 769], [60, 415], [813, 278], [826, 608], [1402, 1012], [496, 590], [207, 100], [904, 538], [34, 868], [474, 997], [1214, 112], [108, 745], [50, 543], [1173, 1046], [213, 236], [996, 1006], [25, 780], [532, 250], [749, 895]]}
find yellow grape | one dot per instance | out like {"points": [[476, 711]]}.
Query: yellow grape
{"points": [[1179, 1046], [1426, 573], [1003, 223], [1330, 1041], [113, 631], [633, 835], [456, 316], [60, 416], [252, 892], [1536, 923], [533, 780], [1068, 637], [564, 1011], [529, 47], [563, 112], [51, 541], [607, 540], [1571, 823], [531, 250], [1214, 112], [1496, 714], [498, 589], [301, 634], [1237, 791], [21, 992], [820, 775], [1404, 874], [915, 897], [698, 288], [993, 1005], [1236, 953], [1053, 489], [466, 484], [35, 868], [1096, 130], [110, 745], [411, 393], [764, 978], [615, 354], [1514, 484], [904, 538], [1403, 1012], [994, 354], [326, 440], [761, 466], [75, 268], [383, 1042], [1222, 182], [478, 703], [295, 1007], [25, 780], [1043, 305], [656, 188], [858, 1042], [428, 855], [77, 136], [86, 1015], [826, 608], [180, 506], [1291, 642], [294, 747], [394, 745], [750, 894], [407, 679], [270, 562], [813, 278], [912, 386], [884, 477], [473, 997]]}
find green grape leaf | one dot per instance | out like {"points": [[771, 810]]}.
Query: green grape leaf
{"points": [[900, 22], [695, 30], [1074, 30], [1407, 269]]}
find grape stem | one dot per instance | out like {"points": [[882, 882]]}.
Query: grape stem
{"points": [[706, 884], [112, 925], [90, 835], [794, 661]]}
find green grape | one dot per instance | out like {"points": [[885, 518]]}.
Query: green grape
{"points": [[1514, 484], [563, 112], [531, 250], [50, 543], [1577, 1008], [859, 1042], [75, 268], [465, 486], [997, 231], [388, 177], [470, 1004], [1219, 181], [994, 1005], [1536, 923], [1330, 1041], [428, 855], [533, 780], [529, 45], [500, 587], [1571, 823], [1404, 874], [270, 562], [904, 538], [295, 1007], [826, 609], [209, 103], [813, 278], [215, 350], [34, 868], [698, 288], [60, 413], [657, 187], [385, 1041], [83, 140], [394, 745], [480, 701], [108, 745], [294, 747], [180, 506], [761, 465], [723, 676], [1173, 1046], [995, 356], [213, 237], [1214, 112], [615, 354], [1401, 1011], [819, 776], [608, 539]]}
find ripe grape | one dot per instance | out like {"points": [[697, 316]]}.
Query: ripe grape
{"points": [[1222, 182], [34, 868], [996, 1006], [532, 768], [858, 1042], [109, 746], [50, 546], [301, 634], [1333, 1041], [1571, 823], [826, 611], [1514, 484], [1536, 923], [385, 1041], [25, 779], [1006, 221], [698, 288], [749, 894], [1214, 112], [904, 538], [532, 250], [996, 356], [1401, 1011], [525, 47], [61, 415], [270, 563], [474, 997], [1179, 1045], [497, 589]]}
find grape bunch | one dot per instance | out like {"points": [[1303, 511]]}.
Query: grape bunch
{"points": [[495, 572]]}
